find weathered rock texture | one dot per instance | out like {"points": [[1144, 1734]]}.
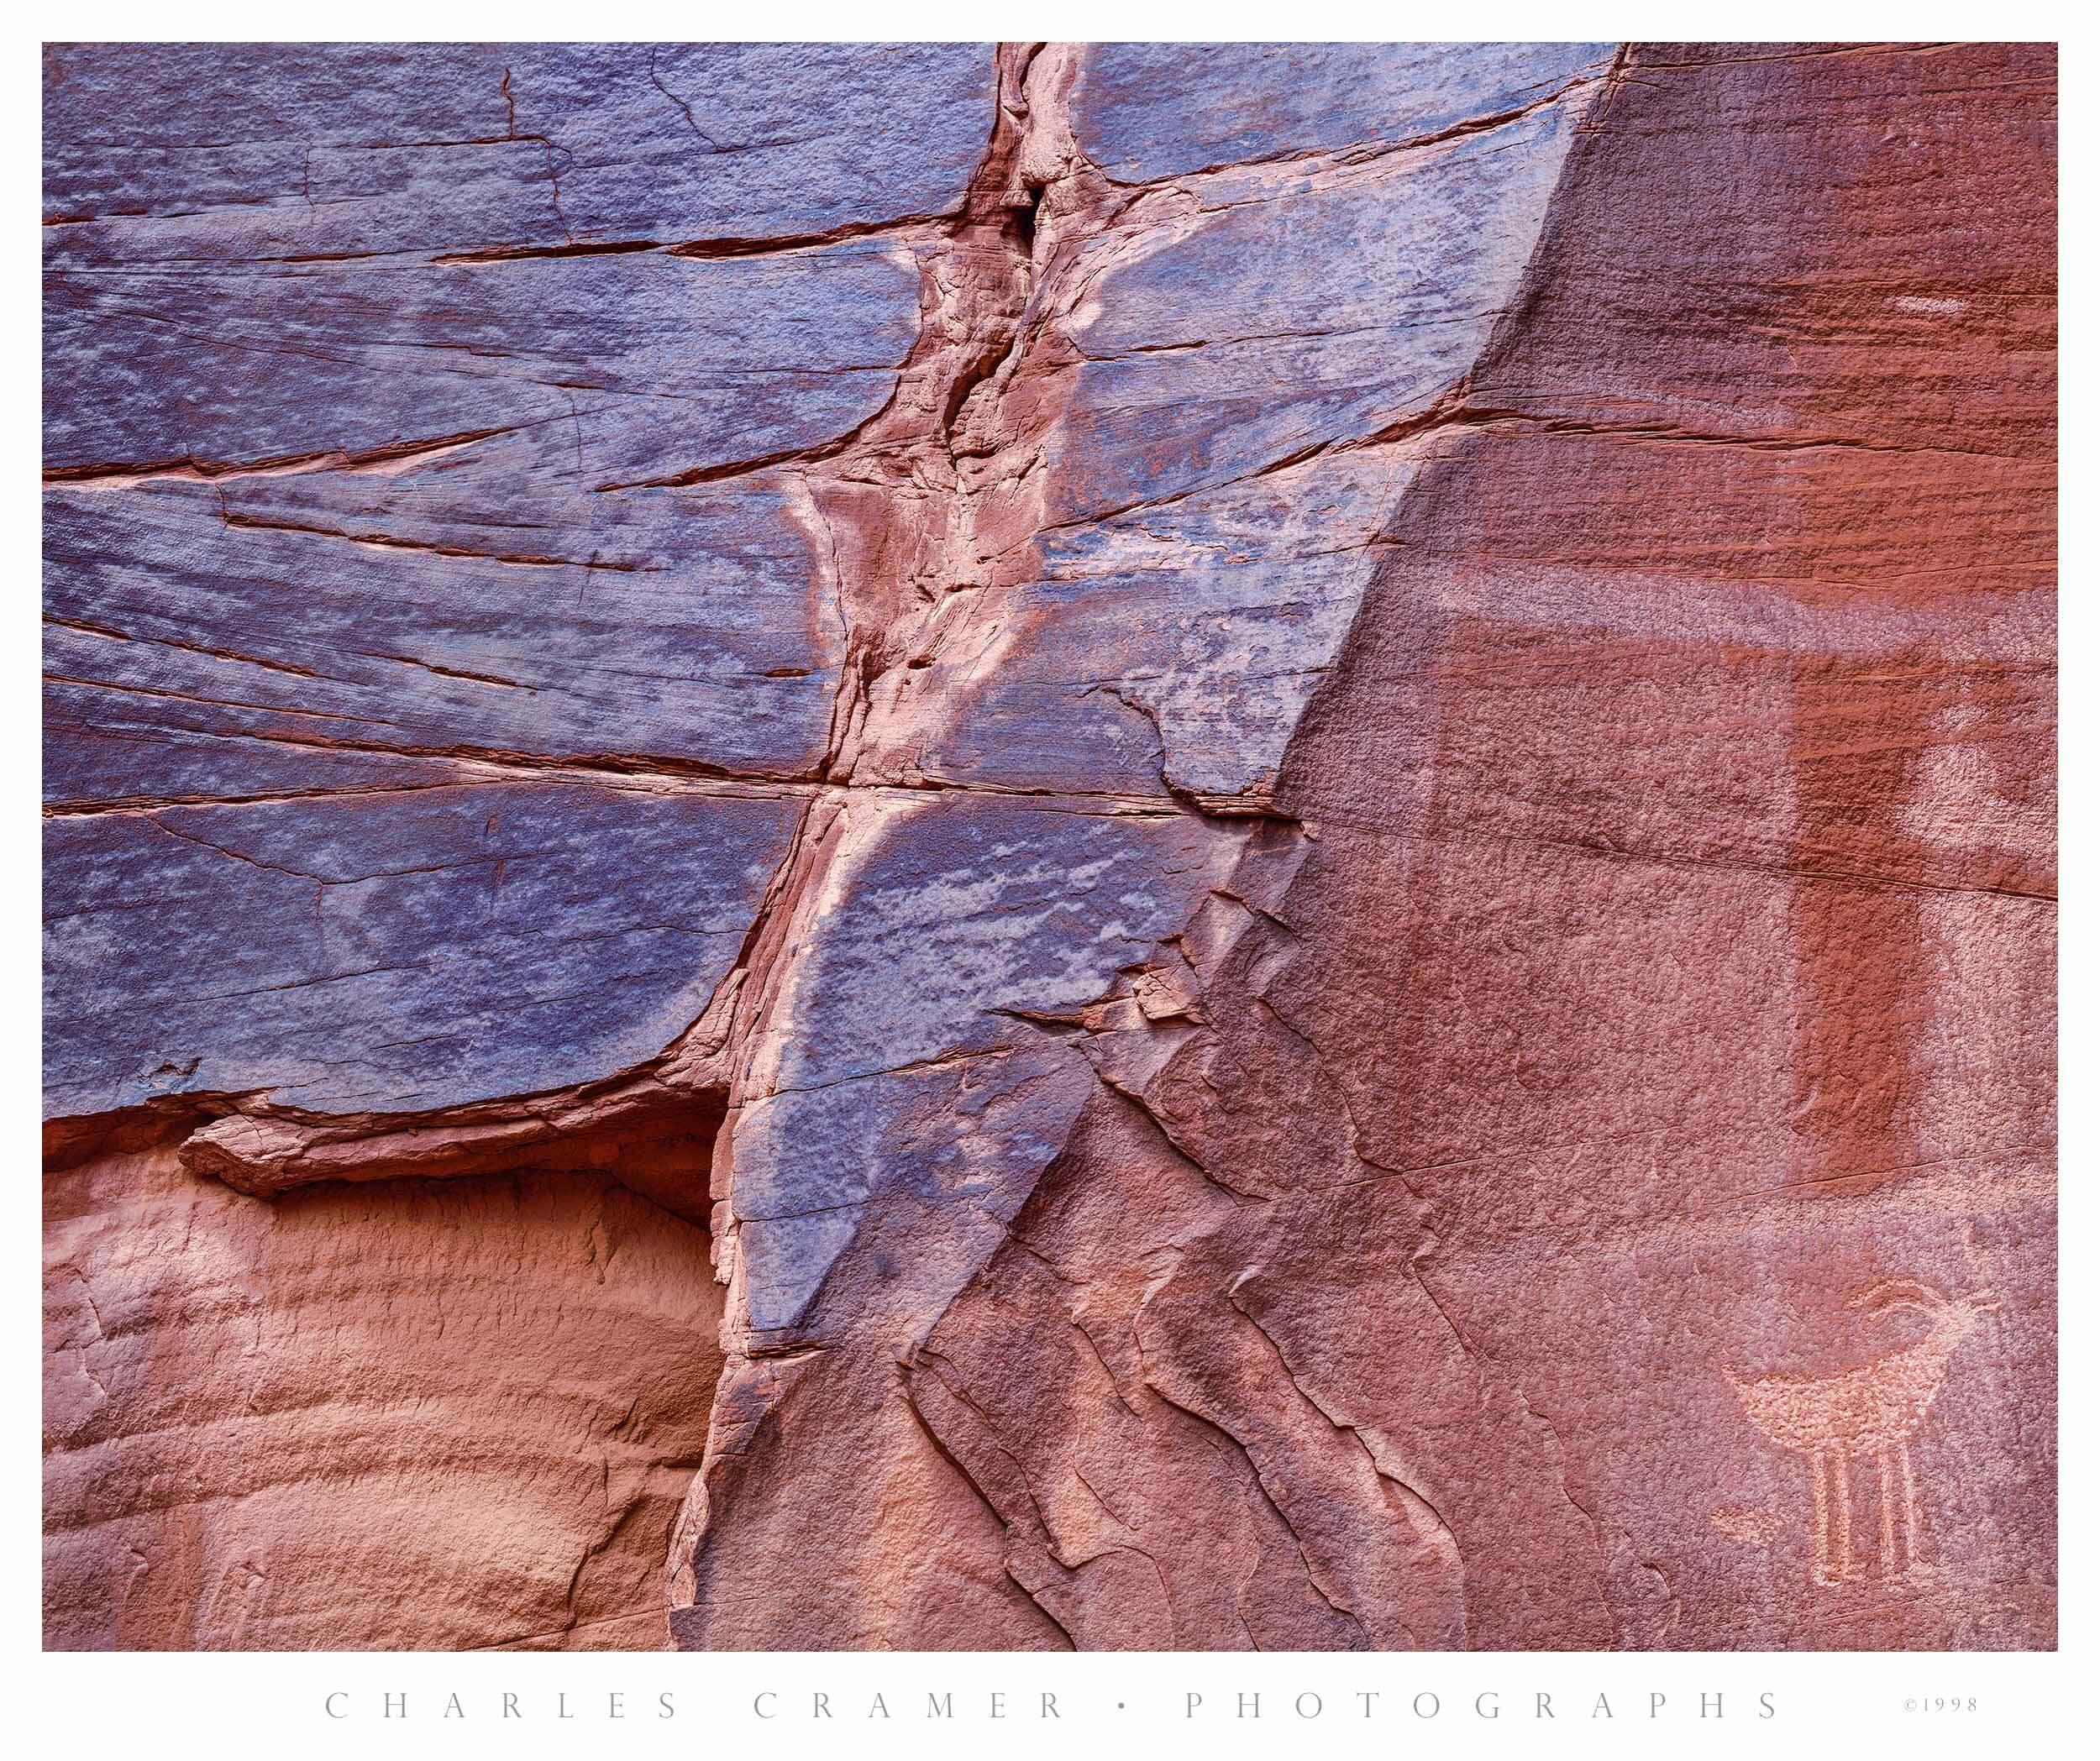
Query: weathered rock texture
{"points": [[1130, 847]]}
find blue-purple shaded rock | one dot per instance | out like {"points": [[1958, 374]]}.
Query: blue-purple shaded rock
{"points": [[356, 524], [1236, 437], [268, 153], [291, 630], [1230, 342], [1174, 649], [1146, 111], [654, 366], [938, 1159], [392, 953], [904, 1072], [756, 140]]}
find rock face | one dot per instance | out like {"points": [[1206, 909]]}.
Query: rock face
{"points": [[1135, 847]]}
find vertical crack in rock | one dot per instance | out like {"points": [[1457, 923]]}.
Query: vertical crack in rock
{"points": [[909, 517], [910, 514], [948, 477]]}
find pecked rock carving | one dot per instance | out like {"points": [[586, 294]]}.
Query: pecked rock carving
{"points": [[1098, 845], [1873, 1409]]}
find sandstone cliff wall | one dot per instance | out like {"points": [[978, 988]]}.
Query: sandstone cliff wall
{"points": [[1125, 846]]}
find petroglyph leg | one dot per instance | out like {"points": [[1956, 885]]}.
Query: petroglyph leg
{"points": [[1888, 1515], [1910, 1507], [1819, 1545], [1841, 1509]]}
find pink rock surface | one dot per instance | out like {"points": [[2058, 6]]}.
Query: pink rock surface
{"points": [[377, 1416]]}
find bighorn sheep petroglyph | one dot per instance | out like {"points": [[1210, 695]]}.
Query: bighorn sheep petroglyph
{"points": [[1873, 1409]]}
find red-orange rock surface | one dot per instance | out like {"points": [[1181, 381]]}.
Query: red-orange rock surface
{"points": [[1121, 847], [382, 1415]]}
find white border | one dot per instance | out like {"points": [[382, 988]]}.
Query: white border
{"points": [[81, 1706]]}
